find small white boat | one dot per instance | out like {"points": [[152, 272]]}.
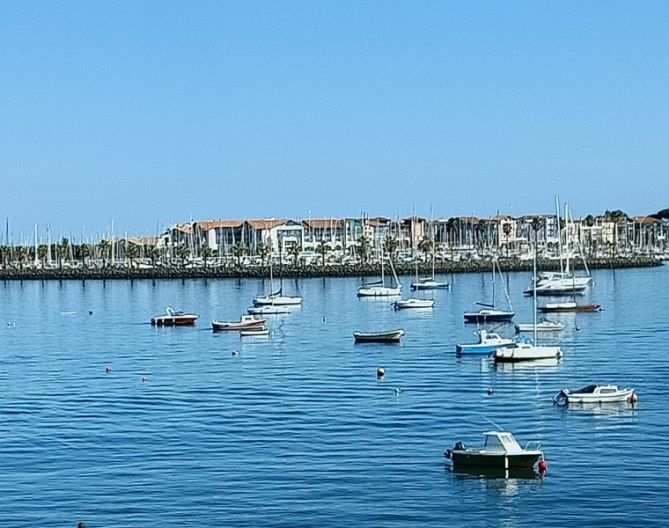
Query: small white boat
{"points": [[277, 299], [264, 332], [269, 309], [596, 394], [246, 322], [488, 342], [429, 283], [544, 325], [379, 291], [526, 352], [413, 303], [500, 450], [391, 336]]}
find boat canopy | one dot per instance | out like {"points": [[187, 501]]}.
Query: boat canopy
{"points": [[496, 441]]}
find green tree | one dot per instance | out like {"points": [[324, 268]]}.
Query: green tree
{"points": [[322, 248], [42, 250], [391, 244], [84, 252], [426, 246], [239, 250], [206, 253], [506, 229], [295, 252], [263, 251], [22, 255], [183, 252], [132, 252], [104, 246], [61, 251], [364, 244], [5, 252]]}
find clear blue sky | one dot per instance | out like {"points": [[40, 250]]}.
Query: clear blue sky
{"points": [[147, 112]]}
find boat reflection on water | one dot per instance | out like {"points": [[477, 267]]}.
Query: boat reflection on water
{"points": [[507, 482], [601, 410], [545, 363]]}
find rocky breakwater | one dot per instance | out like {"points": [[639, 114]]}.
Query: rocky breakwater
{"points": [[287, 270]]}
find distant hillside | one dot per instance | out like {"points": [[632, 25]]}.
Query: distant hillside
{"points": [[664, 213]]}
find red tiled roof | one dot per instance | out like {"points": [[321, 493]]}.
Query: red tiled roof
{"points": [[268, 223], [206, 225]]}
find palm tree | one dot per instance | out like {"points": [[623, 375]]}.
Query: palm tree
{"points": [[263, 251], [84, 251], [104, 246], [239, 250], [390, 244], [206, 253], [322, 248], [364, 243], [41, 253], [426, 245], [183, 252], [5, 251], [506, 229], [61, 251], [132, 252], [295, 252], [22, 254]]}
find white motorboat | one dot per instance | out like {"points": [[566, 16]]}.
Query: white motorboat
{"points": [[245, 323], [596, 394], [500, 450], [544, 325], [413, 303], [488, 342]]}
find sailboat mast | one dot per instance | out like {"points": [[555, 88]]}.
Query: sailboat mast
{"points": [[493, 281], [534, 293], [559, 231]]}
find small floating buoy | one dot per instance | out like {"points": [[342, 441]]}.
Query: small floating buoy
{"points": [[543, 466], [490, 391], [81, 524], [634, 398], [323, 318], [397, 391], [107, 370], [380, 372], [145, 379], [90, 312], [235, 353]]}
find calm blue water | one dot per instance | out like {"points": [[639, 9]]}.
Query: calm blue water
{"points": [[297, 430]]}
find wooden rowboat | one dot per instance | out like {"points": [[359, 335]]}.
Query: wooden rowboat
{"points": [[392, 336]]}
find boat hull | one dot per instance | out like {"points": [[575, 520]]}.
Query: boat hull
{"points": [[174, 320], [496, 317], [379, 337], [522, 352], [379, 291], [540, 327], [413, 303], [277, 301], [569, 307], [430, 285], [497, 460], [218, 326]]}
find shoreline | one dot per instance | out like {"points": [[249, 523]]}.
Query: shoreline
{"points": [[309, 271]]}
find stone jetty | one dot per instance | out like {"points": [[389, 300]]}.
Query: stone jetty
{"points": [[305, 271]]}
